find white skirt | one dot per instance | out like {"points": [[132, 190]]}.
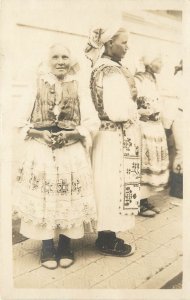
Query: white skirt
{"points": [[54, 188], [107, 151], [155, 160]]}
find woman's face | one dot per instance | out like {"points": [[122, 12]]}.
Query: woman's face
{"points": [[156, 65], [119, 46], [59, 61]]}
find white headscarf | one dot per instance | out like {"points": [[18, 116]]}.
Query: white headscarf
{"points": [[148, 58], [44, 68], [97, 39]]}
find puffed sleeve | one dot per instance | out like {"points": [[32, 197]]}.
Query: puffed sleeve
{"points": [[118, 103], [139, 85], [171, 104], [169, 112], [90, 121]]}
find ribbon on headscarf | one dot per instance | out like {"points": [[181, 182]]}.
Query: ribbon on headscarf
{"points": [[96, 41]]}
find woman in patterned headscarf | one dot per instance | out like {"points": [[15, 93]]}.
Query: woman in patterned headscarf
{"points": [[116, 152], [54, 191], [154, 172]]}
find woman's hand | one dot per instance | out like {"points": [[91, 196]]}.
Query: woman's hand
{"points": [[144, 118], [144, 114], [44, 134], [61, 138]]}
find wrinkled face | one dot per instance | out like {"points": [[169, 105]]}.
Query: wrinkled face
{"points": [[59, 61], [119, 46], [156, 65]]}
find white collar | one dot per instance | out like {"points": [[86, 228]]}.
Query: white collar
{"points": [[105, 61], [52, 79]]}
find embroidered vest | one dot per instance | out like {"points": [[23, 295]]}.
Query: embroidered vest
{"points": [[96, 86], [69, 110]]}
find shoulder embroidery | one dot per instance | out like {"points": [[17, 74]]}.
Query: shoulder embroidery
{"points": [[140, 76]]}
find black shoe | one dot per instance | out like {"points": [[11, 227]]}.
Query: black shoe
{"points": [[116, 247], [48, 256], [66, 259], [65, 255], [146, 209]]}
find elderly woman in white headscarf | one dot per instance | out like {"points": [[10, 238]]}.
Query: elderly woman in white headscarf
{"points": [[116, 149], [155, 162], [54, 190]]}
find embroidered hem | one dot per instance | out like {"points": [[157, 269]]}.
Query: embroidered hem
{"points": [[130, 166]]}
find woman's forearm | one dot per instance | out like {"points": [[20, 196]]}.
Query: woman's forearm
{"points": [[75, 134], [34, 133]]}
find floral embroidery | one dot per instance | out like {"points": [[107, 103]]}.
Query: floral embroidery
{"points": [[127, 145], [76, 186], [47, 187], [35, 183], [49, 202], [130, 167], [62, 187], [128, 196]]}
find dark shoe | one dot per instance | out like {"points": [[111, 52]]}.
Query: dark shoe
{"points": [[146, 209], [116, 247], [176, 184], [148, 205], [66, 259], [146, 212], [153, 208], [65, 256], [48, 257]]}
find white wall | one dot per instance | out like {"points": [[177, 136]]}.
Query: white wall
{"points": [[35, 25], [38, 24]]}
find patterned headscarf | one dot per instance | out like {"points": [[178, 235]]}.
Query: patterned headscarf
{"points": [[97, 39]]}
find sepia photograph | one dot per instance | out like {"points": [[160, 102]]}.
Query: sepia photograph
{"points": [[92, 146]]}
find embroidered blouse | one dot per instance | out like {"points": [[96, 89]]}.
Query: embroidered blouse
{"points": [[112, 90]]}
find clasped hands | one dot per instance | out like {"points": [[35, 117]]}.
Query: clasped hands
{"points": [[61, 138], [148, 114]]}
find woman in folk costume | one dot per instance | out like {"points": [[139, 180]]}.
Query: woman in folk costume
{"points": [[173, 123], [155, 162], [54, 190], [116, 148]]}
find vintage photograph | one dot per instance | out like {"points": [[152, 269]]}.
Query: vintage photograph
{"points": [[96, 145]]}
